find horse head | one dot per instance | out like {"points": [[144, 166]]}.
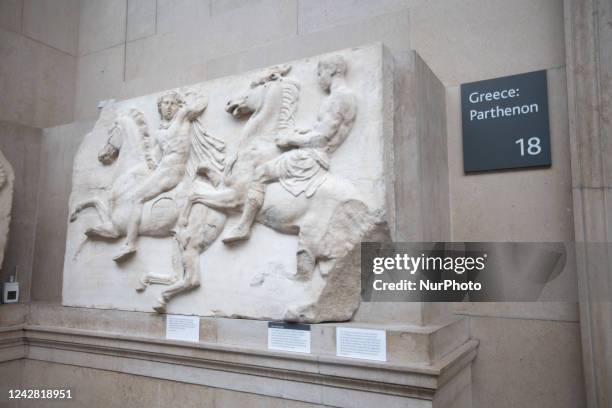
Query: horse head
{"points": [[110, 151], [127, 130], [270, 103], [259, 91], [247, 103]]}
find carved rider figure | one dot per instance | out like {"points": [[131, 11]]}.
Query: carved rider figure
{"points": [[304, 166], [167, 158]]}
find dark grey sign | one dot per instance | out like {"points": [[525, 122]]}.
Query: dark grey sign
{"points": [[289, 326], [505, 123]]}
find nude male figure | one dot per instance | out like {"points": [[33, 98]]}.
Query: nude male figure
{"points": [[304, 167], [168, 158]]}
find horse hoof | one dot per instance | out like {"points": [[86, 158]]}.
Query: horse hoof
{"points": [[161, 307], [141, 286], [125, 253], [235, 236]]}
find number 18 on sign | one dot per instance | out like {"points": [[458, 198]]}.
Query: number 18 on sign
{"points": [[505, 123]]}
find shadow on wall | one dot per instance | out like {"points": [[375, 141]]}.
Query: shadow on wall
{"points": [[21, 146], [42, 162]]}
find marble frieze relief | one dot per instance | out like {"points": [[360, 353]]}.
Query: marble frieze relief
{"points": [[246, 196], [7, 181]]}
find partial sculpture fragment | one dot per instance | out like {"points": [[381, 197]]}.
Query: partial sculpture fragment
{"points": [[7, 180]]}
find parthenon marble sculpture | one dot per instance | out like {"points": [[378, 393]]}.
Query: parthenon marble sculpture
{"points": [[7, 180], [185, 174]]}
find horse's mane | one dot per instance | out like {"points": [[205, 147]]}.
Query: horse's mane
{"points": [[145, 136], [290, 95]]}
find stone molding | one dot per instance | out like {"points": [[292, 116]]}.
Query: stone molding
{"points": [[12, 343], [220, 365]]}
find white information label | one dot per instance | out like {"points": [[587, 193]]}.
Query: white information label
{"points": [[289, 337], [185, 328], [361, 343]]}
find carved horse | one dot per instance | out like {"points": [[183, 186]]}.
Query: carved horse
{"points": [[328, 224], [3, 176], [126, 150]]}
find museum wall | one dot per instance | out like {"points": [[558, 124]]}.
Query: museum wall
{"points": [[38, 48], [21, 146], [128, 48], [57, 150], [100, 388], [38, 44]]}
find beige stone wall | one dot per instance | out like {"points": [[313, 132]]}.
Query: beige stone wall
{"points": [[58, 148], [126, 48], [11, 374], [38, 48], [101, 389], [589, 67], [38, 65], [21, 146]]}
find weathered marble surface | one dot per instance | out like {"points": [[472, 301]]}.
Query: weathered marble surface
{"points": [[7, 180], [260, 277]]}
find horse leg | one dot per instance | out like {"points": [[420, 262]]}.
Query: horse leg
{"points": [[190, 279], [306, 263], [224, 199], [104, 230], [155, 278], [164, 279], [151, 278], [306, 255], [204, 228], [95, 202]]}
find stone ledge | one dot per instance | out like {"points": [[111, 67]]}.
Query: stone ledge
{"points": [[427, 364], [12, 343], [13, 313], [221, 366], [406, 343]]}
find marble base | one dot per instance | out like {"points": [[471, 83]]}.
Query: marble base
{"points": [[428, 366]]}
